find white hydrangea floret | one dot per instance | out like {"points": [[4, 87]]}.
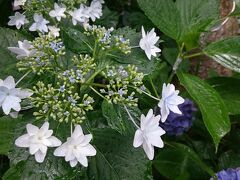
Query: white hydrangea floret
{"points": [[94, 10], [10, 96], [38, 141], [79, 15], [54, 31], [169, 101], [17, 20], [77, 148], [39, 24], [149, 134], [147, 43], [58, 12], [19, 3], [24, 49]]}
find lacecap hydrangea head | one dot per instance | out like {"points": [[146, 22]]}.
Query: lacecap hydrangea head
{"points": [[229, 174], [177, 124]]}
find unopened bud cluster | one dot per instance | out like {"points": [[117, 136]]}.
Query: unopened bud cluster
{"points": [[37, 6], [73, 3], [60, 104], [48, 50], [107, 40], [122, 82]]}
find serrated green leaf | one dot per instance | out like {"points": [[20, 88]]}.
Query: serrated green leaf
{"points": [[213, 109], [7, 128], [178, 159], [183, 20], [117, 158], [228, 88], [226, 52]]}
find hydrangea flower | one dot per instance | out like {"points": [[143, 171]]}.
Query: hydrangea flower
{"points": [[147, 43], [170, 101], [95, 10], [229, 174], [54, 31], [79, 15], [19, 3], [176, 124], [39, 24], [149, 134], [77, 148], [38, 141], [58, 12], [17, 20], [10, 96], [24, 49]]}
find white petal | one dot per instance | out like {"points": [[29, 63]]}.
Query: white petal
{"points": [[88, 150], [20, 93], [14, 114], [149, 150], [156, 140], [31, 129], [69, 155], [174, 109], [73, 163], [11, 102], [138, 139], [77, 132], [33, 148], [61, 151], [45, 126], [9, 82], [164, 113], [22, 141], [43, 148], [83, 160], [39, 156], [54, 141], [86, 140]]}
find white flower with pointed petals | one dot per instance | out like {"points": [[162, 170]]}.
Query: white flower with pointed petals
{"points": [[149, 135], [79, 15], [77, 148], [95, 10], [25, 49], [10, 96], [38, 141], [58, 12], [169, 101], [147, 43], [39, 24], [19, 3], [54, 31], [17, 20]]}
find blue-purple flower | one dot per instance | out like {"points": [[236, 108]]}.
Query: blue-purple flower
{"points": [[177, 124], [229, 174]]}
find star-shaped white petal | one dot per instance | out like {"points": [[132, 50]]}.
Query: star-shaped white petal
{"points": [[39, 24], [17, 20], [58, 12]]}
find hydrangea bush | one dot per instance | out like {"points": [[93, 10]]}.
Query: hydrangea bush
{"points": [[87, 92]]}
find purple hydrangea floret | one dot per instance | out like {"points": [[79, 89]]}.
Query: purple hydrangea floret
{"points": [[177, 124], [229, 174]]}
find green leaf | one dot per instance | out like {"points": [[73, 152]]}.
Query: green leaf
{"points": [[228, 88], [117, 158], [76, 41], [109, 18], [184, 20], [229, 159], [177, 160], [117, 118], [214, 111], [226, 52], [164, 14], [8, 60], [7, 128]]}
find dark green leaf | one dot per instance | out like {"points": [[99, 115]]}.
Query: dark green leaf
{"points": [[226, 52], [116, 158], [214, 111], [228, 88], [229, 160], [178, 159]]}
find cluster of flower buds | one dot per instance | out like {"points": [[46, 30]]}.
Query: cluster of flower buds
{"points": [[60, 104], [122, 82], [47, 50], [73, 3], [107, 40]]}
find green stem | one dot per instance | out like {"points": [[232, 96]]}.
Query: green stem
{"points": [[23, 77], [98, 93], [153, 86], [126, 109], [95, 84], [193, 55]]}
